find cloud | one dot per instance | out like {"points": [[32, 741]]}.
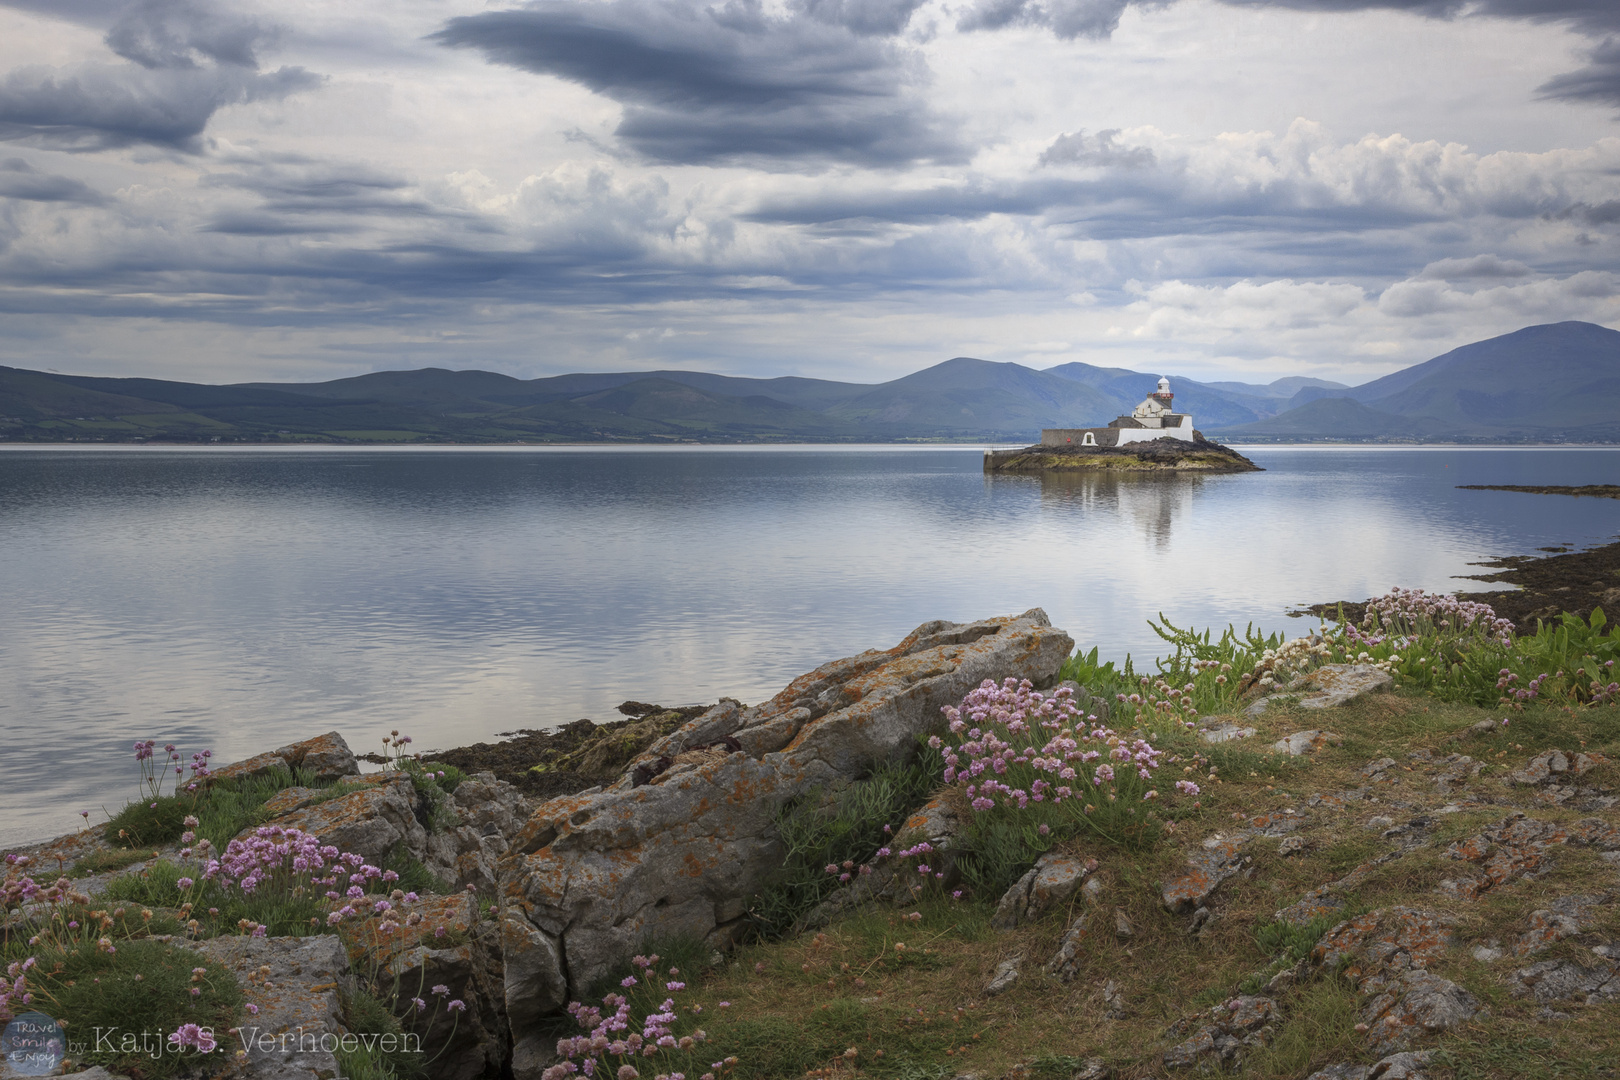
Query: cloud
{"points": [[865, 17], [180, 34], [20, 180], [1598, 82], [1544, 300], [712, 85], [1480, 266], [1605, 213], [1066, 18], [99, 106], [1100, 149], [185, 62], [1596, 16], [1300, 179]]}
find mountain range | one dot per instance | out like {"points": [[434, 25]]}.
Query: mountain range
{"points": [[1558, 382]]}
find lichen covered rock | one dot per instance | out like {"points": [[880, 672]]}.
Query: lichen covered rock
{"points": [[677, 847], [327, 757]]}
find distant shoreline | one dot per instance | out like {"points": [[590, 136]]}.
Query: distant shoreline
{"points": [[981, 444]]}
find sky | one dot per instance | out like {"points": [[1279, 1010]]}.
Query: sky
{"points": [[229, 190]]}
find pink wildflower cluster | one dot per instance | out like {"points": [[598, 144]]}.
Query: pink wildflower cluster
{"points": [[287, 858], [1016, 747], [613, 1035], [192, 1037], [14, 988], [153, 774], [1413, 610]]}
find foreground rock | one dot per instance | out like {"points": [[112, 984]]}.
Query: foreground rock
{"points": [[687, 837], [296, 984], [1327, 687], [454, 946], [326, 757], [1223, 1035], [1044, 887], [1386, 954]]}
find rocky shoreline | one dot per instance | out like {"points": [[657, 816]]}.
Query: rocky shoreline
{"points": [[1157, 456], [1547, 586], [1408, 835]]}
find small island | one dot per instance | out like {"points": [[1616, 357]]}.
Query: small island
{"points": [[1153, 438]]}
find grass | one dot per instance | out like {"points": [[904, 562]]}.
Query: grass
{"points": [[1292, 942], [143, 987], [801, 1010], [107, 860], [364, 1014], [829, 828], [223, 809], [157, 887]]}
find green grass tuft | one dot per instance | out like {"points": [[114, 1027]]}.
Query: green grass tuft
{"points": [[819, 830], [145, 986]]}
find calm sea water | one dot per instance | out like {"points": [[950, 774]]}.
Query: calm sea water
{"points": [[242, 599]]}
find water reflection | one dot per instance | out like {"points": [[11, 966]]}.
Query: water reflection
{"points": [[1150, 503], [241, 600]]}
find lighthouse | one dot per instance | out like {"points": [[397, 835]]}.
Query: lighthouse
{"points": [[1155, 418]]}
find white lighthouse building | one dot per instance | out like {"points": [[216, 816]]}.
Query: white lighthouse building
{"points": [[1155, 418]]}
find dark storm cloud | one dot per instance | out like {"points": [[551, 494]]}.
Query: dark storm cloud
{"points": [[1598, 82], [865, 17], [1100, 149], [1065, 18], [1604, 213], [85, 12], [1590, 15], [20, 180], [1125, 206], [721, 84], [98, 106], [186, 61], [1100, 18], [179, 34], [322, 199]]}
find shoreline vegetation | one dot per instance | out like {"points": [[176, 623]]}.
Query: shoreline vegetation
{"points": [[1388, 844]]}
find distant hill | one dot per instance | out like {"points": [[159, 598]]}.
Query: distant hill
{"points": [[958, 400], [1558, 382], [1279, 388], [1543, 383]]}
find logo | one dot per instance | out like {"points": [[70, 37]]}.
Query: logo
{"points": [[33, 1044]]}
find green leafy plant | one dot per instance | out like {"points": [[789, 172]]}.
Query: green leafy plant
{"points": [[1294, 941], [830, 829]]}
